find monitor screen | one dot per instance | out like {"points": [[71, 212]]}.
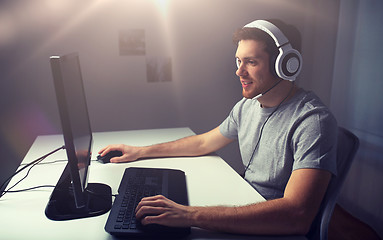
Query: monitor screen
{"points": [[72, 191]]}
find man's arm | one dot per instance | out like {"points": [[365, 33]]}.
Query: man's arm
{"points": [[292, 214], [195, 145]]}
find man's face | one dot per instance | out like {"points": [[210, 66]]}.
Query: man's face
{"points": [[253, 68]]}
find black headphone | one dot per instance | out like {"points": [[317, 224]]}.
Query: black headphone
{"points": [[288, 63]]}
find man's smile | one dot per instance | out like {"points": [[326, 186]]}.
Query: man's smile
{"points": [[246, 83]]}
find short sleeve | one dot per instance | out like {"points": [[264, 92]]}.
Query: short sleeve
{"points": [[314, 142], [229, 127]]}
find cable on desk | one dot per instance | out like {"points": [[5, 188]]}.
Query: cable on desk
{"points": [[100, 195], [31, 188], [44, 163], [31, 165]]}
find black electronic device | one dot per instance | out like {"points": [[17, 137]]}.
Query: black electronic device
{"points": [[137, 183], [73, 197], [106, 158]]}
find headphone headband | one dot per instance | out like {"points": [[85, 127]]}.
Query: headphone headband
{"points": [[289, 61], [274, 32]]}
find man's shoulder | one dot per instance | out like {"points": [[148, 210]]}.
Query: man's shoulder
{"points": [[309, 106], [308, 100], [244, 103]]}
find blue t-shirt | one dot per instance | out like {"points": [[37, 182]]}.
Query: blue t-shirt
{"points": [[301, 133]]}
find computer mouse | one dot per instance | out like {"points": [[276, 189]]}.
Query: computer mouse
{"points": [[108, 156]]}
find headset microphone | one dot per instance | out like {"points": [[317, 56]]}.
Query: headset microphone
{"points": [[260, 95]]}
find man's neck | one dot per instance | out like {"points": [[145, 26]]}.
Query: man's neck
{"points": [[283, 92]]}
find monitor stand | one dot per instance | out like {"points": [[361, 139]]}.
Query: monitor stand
{"points": [[62, 206]]}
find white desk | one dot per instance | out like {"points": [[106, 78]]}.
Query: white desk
{"points": [[210, 181]]}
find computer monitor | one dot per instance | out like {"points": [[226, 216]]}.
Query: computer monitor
{"points": [[73, 197]]}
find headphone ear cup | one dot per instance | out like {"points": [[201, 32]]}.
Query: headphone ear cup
{"points": [[288, 63], [273, 66]]}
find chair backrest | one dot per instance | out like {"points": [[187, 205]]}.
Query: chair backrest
{"points": [[347, 146]]}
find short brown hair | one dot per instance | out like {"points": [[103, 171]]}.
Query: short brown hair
{"points": [[259, 36]]}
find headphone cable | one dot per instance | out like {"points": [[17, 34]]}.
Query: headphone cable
{"points": [[263, 125]]}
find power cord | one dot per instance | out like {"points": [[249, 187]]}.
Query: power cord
{"points": [[28, 189], [100, 195], [31, 165], [44, 163]]}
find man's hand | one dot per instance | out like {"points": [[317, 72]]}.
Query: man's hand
{"points": [[160, 210], [291, 214], [129, 153]]}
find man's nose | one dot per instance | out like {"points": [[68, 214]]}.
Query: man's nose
{"points": [[241, 71]]}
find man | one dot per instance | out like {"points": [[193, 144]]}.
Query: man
{"points": [[287, 140]]}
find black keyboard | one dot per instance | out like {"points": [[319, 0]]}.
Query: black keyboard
{"points": [[136, 189], [137, 183]]}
